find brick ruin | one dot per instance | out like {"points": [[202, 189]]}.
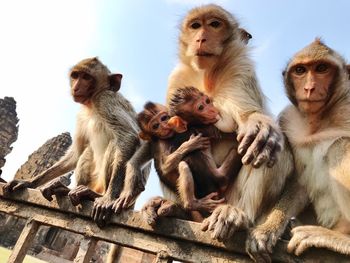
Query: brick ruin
{"points": [[8, 128]]}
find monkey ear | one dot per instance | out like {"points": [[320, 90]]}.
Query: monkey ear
{"points": [[348, 69], [144, 136], [178, 124], [115, 81]]}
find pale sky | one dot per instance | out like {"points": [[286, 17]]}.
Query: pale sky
{"points": [[41, 39]]}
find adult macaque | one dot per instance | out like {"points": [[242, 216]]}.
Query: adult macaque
{"points": [[318, 128], [214, 59], [106, 138]]}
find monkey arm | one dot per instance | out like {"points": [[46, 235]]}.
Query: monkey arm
{"points": [[171, 162], [137, 172], [305, 237], [263, 237], [64, 165]]}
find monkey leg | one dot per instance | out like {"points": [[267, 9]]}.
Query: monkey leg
{"points": [[186, 191], [229, 168], [58, 186], [305, 237], [80, 193]]}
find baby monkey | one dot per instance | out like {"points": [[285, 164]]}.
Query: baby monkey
{"points": [[182, 148]]}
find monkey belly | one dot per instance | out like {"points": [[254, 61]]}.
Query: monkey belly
{"points": [[314, 175]]}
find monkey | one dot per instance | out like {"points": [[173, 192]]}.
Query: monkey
{"points": [[348, 70], [106, 137], [197, 110], [317, 126], [245, 35], [214, 59]]}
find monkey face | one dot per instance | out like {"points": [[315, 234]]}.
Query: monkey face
{"points": [[82, 86], [204, 110], [205, 37], [158, 126], [312, 81]]}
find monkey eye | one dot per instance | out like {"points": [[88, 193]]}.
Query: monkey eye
{"points": [[322, 68], [155, 126], [207, 101], [300, 69], [195, 25], [74, 75], [215, 24], [87, 76], [164, 118], [200, 107]]}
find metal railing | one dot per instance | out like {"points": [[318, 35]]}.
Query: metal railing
{"points": [[171, 239]]}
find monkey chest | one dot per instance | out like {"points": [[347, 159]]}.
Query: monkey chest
{"points": [[98, 136]]}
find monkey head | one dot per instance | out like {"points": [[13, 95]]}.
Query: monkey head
{"points": [[204, 34], [90, 76], [314, 78], [153, 122], [193, 106]]}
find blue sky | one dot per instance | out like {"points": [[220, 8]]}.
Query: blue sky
{"points": [[41, 40]]}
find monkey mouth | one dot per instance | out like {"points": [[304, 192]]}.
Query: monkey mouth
{"points": [[204, 54]]}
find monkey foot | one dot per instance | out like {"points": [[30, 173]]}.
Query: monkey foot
{"points": [[80, 193], [57, 187], [207, 203]]}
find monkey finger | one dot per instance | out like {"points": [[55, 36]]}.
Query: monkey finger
{"points": [[117, 206], [212, 195], [302, 247], [205, 225], [273, 155], [265, 153], [96, 211]]}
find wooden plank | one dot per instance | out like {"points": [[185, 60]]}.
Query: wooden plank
{"points": [[24, 241], [185, 230], [169, 228], [181, 250], [86, 250]]}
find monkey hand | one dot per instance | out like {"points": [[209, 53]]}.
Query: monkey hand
{"points": [[196, 142], [124, 201], [261, 241], [80, 193], [224, 221], [57, 186], [102, 210], [16, 185], [259, 142], [305, 237]]}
